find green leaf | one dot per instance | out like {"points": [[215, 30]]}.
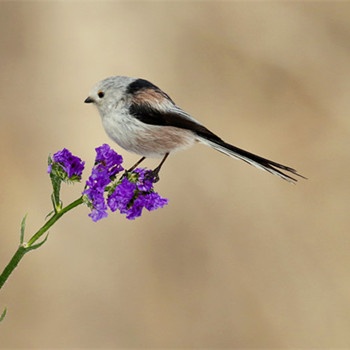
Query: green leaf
{"points": [[38, 245], [23, 227], [2, 316], [52, 212]]}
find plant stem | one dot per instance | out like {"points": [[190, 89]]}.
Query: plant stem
{"points": [[53, 219], [26, 247], [12, 264]]}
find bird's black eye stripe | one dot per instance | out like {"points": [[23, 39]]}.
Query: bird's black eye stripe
{"points": [[100, 94]]}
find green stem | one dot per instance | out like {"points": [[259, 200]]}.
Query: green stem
{"points": [[53, 219], [12, 264], [26, 247]]}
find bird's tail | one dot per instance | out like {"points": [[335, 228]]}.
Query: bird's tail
{"points": [[252, 159]]}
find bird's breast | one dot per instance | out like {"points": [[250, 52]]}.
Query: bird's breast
{"points": [[147, 140]]}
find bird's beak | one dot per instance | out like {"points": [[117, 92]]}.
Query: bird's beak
{"points": [[89, 100]]}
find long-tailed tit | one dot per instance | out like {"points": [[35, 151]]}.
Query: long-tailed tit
{"points": [[143, 119]]}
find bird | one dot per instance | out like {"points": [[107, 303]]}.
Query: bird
{"points": [[143, 119]]}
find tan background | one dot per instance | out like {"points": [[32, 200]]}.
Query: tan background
{"points": [[239, 258]]}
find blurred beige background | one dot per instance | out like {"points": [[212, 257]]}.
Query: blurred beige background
{"points": [[239, 258]]}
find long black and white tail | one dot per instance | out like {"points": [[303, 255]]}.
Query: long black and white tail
{"points": [[252, 159], [178, 118]]}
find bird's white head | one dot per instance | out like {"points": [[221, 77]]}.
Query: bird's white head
{"points": [[108, 93]]}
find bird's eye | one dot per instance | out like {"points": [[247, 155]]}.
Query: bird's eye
{"points": [[100, 94]]}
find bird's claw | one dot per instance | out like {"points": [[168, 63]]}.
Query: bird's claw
{"points": [[152, 175]]}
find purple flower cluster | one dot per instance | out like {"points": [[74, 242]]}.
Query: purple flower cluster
{"points": [[129, 195], [107, 166], [134, 193], [66, 166]]}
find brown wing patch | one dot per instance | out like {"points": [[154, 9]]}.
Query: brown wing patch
{"points": [[144, 92], [150, 96]]}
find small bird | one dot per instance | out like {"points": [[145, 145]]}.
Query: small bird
{"points": [[143, 119]]}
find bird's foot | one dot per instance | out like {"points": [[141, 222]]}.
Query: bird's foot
{"points": [[153, 175]]}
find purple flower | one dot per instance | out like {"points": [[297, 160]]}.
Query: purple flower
{"points": [[154, 201], [110, 159], [107, 165], [122, 196], [145, 179], [95, 187], [135, 209], [134, 193], [71, 166], [99, 210], [99, 178]]}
